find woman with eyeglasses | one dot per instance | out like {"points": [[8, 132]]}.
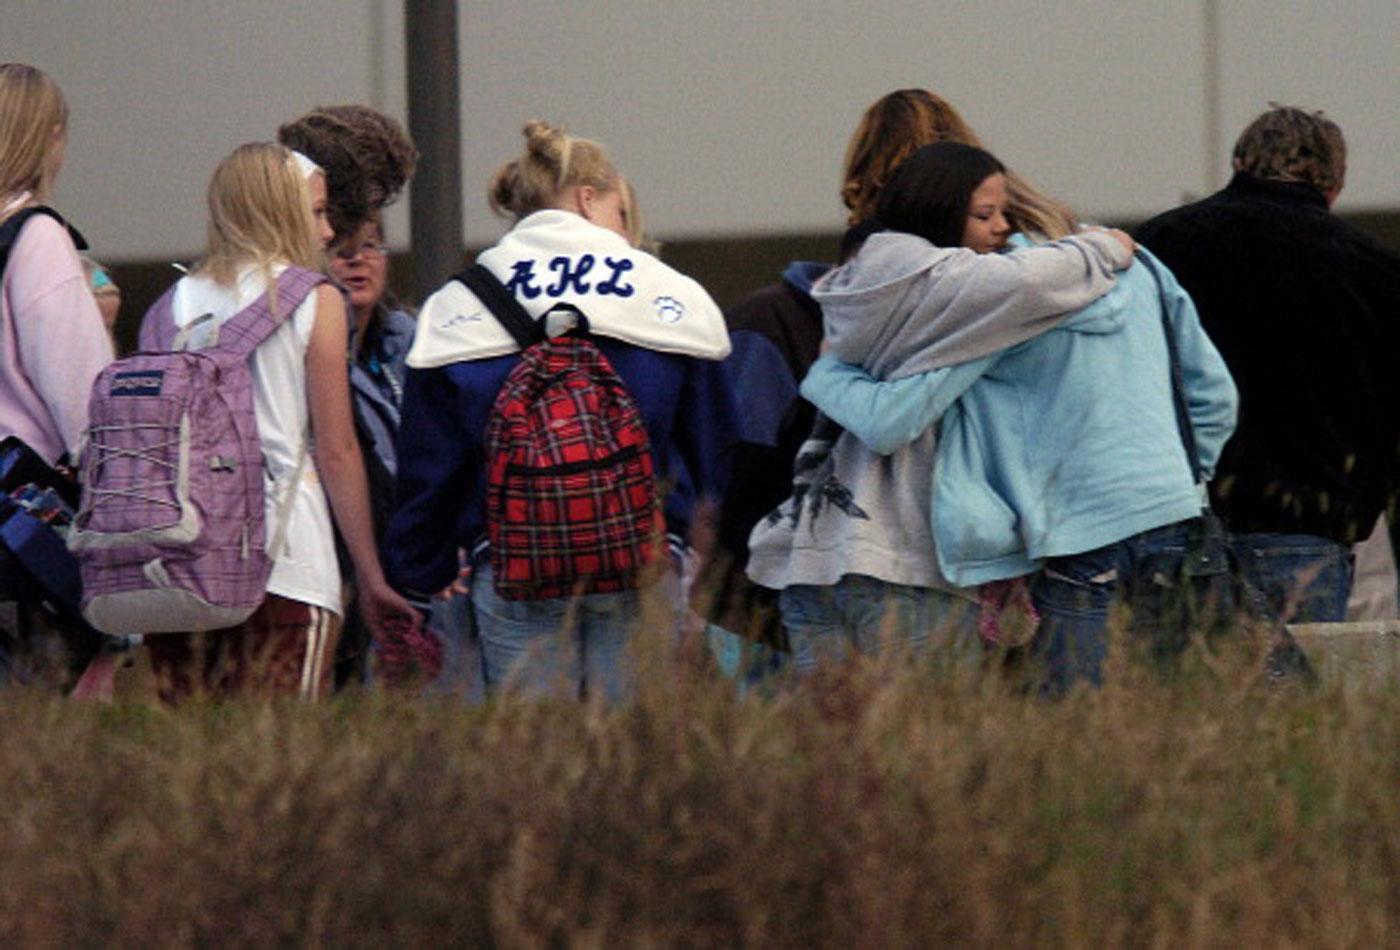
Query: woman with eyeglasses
{"points": [[380, 341], [369, 159]]}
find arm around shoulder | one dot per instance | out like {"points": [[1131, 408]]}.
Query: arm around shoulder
{"points": [[886, 416]]}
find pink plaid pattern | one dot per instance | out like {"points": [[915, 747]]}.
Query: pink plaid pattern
{"points": [[129, 473], [572, 503]]}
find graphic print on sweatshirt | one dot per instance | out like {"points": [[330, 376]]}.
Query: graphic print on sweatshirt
{"points": [[815, 486]]}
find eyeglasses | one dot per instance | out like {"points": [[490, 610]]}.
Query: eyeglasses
{"points": [[368, 249]]}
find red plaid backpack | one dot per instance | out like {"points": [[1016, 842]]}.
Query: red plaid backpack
{"points": [[571, 496]]}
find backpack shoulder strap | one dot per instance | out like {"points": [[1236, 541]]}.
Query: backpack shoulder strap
{"points": [[158, 330], [502, 304], [9, 231], [245, 331], [1179, 404]]}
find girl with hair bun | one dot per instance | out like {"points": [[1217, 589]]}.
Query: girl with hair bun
{"points": [[573, 243], [267, 213]]}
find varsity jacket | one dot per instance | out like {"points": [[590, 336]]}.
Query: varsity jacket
{"points": [[659, 329]]}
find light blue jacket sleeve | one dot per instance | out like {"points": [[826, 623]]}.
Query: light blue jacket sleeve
{"points": [[1211, 398], [887, 415]]}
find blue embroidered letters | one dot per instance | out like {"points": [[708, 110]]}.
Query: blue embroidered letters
{"points": [[569, 274], [614, 285], [571, 271], [522, 280]]}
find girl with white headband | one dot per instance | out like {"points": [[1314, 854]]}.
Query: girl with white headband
{"points": [[267, 211]]}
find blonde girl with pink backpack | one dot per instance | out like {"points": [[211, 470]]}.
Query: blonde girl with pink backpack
{"points": [[267, 221]]}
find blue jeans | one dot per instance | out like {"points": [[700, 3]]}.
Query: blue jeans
{"points": [[462, 675], [1299, 578], [566, 646], [825, 623], [1150, 572]]}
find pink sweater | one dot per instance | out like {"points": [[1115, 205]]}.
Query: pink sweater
{"points": [[52, 341]]}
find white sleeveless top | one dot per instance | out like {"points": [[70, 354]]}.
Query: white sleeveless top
{"points": [[305, 569]]}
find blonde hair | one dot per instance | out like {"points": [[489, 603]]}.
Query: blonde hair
{"points": [[32, 114], [632, 217], [1290, 144], [553, 160], [897, 125], [259, 213]]}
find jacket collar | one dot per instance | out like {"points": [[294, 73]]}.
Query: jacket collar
{"points": [[1287, 192]]}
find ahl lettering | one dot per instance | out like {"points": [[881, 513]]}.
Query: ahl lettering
{"points": [[571, 272]]}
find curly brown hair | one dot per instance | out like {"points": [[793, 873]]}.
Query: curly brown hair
{"points": [[367, 156], [900, 123], [1286, 143]]}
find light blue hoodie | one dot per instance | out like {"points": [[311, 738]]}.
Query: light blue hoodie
{"points": [[1061, 444]]}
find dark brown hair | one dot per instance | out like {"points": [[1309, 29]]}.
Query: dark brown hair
{"points": [[1291, 144], [367, 156]]}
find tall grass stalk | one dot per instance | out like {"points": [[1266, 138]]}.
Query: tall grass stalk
{"points": [[884, 803]]}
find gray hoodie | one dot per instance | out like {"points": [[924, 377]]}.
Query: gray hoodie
{"points": [[903, 306]]}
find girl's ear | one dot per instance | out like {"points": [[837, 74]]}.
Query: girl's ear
{"points": [[584, 196]]}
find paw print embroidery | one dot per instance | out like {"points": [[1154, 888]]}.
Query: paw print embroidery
{"points": [[669, 309]]}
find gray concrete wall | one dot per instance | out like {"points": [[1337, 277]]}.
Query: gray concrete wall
{"points": [[730, 116]]}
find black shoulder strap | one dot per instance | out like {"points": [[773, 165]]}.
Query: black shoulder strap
{"points": [[9, 231], [1183, 412], [502, 304]]}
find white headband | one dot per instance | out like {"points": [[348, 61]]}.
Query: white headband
{"points": [[305, 165]]}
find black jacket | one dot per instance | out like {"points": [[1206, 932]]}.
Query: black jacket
{"points": [[1305, 309], [776, 334]]}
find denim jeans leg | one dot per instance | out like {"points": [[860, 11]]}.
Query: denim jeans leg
{"points": [[531, 644], [1301, 578], [607, 623], [879, 613], [1073, 595], [952, 624], [454, 622], [816, 631], [857, 612], [1172, 601]]}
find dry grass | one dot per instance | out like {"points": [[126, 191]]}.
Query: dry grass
{"points": [[880, 805]]}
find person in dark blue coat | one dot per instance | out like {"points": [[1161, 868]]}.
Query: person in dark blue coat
{"points": [[573, 243]]}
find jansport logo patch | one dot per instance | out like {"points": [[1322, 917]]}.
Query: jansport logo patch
{"points": [[138, 383]]}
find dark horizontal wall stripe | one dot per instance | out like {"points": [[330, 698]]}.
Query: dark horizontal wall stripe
{"points": [[728, 267]]}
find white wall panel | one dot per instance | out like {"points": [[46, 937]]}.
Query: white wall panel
{"points": [[730, 116], [1343, 58]]}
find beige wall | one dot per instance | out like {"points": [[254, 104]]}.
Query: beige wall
{"points": [[730, 116]]}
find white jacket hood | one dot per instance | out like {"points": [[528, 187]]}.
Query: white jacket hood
{"points": [[554, 257]]}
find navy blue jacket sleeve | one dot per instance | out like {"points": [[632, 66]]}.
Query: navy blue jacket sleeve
{"points": [[706, 429], [438, 456]]}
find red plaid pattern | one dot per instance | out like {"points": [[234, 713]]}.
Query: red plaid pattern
{"points": [[572, 505]]}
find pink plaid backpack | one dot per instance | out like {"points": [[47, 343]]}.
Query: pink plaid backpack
{"points": [[571, 497], [170, 536]]}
